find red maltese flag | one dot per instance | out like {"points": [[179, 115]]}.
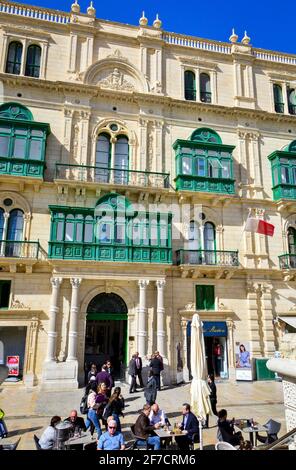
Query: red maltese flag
{"points": [[259, 226]]}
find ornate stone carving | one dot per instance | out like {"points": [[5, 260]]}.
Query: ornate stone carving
{"points": [[190, 306], [17, 304], [56, 281], [288, 346], [75, 282], [289, 390], [116, 81], [160, 283], [259, 213], [143, 283]]}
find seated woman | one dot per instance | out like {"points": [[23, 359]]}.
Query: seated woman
{"points": [[49, 436], [226, 430]]}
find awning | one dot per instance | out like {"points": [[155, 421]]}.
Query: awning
{"points": [[289, 320]]}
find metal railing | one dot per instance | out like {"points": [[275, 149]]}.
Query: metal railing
{"points": [[207, 257], [97, 174], [281, 442], [205, 97], [19, 249], [279, 107], [37, 13], [287, 261]]}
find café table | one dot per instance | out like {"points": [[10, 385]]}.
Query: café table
{"points": [[252, 430], [169, 436], [78, 441]]}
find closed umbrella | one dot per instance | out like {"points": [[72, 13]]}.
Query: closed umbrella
{"points": [[200, 391]]}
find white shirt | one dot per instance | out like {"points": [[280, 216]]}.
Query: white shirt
{"points": [[159, 417], [48, 438]]}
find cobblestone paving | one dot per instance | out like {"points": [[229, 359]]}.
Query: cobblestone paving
{"points": [[28, 412]]}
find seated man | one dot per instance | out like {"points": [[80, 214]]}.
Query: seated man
{"points": [[189, 424], [112, 439], [143, 428], [78, 423], [226, 430], [157, 416]]}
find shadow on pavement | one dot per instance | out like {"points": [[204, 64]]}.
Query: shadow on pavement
{"points": [[17, 432]]}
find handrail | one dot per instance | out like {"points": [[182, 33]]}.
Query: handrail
{"points": [[280, 441], [207, 257], [120, 176], [38, 13], [19, 249]]}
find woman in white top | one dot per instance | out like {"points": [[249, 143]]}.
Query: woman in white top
{"points": [[49, 437]]}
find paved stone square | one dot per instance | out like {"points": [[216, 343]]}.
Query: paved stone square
{"points": [[28, 412]]}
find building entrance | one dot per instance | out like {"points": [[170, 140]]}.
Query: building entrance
{"points": [[106, 333]]}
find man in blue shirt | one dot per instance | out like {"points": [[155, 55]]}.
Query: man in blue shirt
{"points": [[111, 440]]}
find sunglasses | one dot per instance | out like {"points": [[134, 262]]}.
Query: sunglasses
{"points": [[112, 427]]}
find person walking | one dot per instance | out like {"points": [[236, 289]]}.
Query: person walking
{"points": [[213, 397], [132, 373], [116, 405], [105, 377], [156, 365], [139, 367], [150, 391], [92, 418]]}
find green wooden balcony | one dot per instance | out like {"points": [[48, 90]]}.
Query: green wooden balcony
{"points": [[21, 167], [206, 184], [207, 257], [109, 252], [287, 261], [20, 249], [97, 174], [284, 191]]}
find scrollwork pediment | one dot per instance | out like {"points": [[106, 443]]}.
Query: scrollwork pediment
{"points": [[116, 81]]}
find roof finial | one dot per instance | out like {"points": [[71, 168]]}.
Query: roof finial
{"points": [[91, 11], [143, 21], [234, 37], [157, 23], [75, 7], [246, 39]]}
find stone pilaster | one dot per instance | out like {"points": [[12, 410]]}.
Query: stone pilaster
{"points": [[160, 317], [142, 314], [184, 340], [252, 297], [267, 317], [53, 311]]}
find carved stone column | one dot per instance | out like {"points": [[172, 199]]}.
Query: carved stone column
{"points": [[252, 296], [142, 313], [53, 311], [73, 330], [4, 236], [83, 158], [160, 317], [267, 317], [29, 372], [184, 336], [230, 343]]}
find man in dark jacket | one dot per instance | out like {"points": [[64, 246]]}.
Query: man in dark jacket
{"points": [[144, 429], [156, 365], [189, 424], [139, 366], [226, 431], [77, 422], [132, 373]]}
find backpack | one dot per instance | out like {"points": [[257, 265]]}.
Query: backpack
{"points": [[2, 414], [83, 405]]}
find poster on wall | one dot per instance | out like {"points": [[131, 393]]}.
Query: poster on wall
{"points": [[13, 364], [243, 364]]}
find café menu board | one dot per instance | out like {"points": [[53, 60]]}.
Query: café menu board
{"points": [[13, 364]]}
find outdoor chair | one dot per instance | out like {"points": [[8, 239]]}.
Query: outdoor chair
{"points": [[224, 446], [139, 443], [36, 440], [195, 440], [11, 446], [90, 446], [272, 428]]}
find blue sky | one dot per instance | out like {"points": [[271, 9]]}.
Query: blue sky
{"points": [[270, 24]]}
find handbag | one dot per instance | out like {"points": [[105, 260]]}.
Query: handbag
{"points": [[2, 414]]}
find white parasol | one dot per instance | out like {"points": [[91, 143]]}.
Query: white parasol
{"points": [[200, 391]]}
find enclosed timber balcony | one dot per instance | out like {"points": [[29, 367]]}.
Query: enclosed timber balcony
{"points": [[112, 252], [116, 176]]}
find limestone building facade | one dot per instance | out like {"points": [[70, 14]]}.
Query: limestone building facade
{"points": [[130, 160]]}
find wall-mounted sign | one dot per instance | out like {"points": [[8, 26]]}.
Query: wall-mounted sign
{"points": [[214, 328], [13, 364]]}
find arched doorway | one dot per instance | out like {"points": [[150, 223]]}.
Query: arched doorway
{"points": [[106, 332]]}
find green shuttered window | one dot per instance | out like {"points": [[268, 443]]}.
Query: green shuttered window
{"points": [[205, 297]]}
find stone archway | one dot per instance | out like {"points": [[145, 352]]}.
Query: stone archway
{"points": [[106, 331]]}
